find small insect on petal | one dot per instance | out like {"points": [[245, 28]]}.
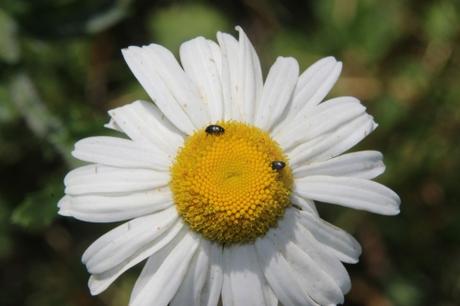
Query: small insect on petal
{"points": [[278, 165], [214, 129]]}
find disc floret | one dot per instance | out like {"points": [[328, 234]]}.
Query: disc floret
{"points": [[224, 185]]}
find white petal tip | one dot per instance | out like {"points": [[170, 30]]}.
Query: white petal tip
{"points": [[394, 212], [62, 202], [353, 261], [73, 153], [63, 206], [125, 51], [94, 289], [392, 209], [64, 213], [110, 125]]}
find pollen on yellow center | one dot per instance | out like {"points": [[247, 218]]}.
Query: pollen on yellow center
{"points": [[224, 186]]}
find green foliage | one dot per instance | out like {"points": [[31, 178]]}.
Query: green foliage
{"points": [[175, 24], [38, 209], [9, 48], [61, 70]]}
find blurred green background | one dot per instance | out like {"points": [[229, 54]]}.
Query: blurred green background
{"points": [[61, 70]]}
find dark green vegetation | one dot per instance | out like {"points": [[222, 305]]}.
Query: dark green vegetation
{"points": [[61, 69]]}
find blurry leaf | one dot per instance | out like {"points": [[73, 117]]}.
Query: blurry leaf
{"points": [[5, 240], [368, 28], [404, 293], [38, 209], [442, 21], [5, 244], [377, 28], [289, 43], [389, 112], [173, 25], [8, 113], [39, 119], [31, 107], [67, 18], [108, 18], [9, 48]]}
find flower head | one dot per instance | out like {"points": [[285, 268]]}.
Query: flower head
{"points": [[219, 176]]}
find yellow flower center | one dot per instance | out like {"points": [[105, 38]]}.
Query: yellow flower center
{"points": [[231, 182]]}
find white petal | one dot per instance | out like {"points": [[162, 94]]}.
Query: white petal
{"points": [[159, 288], [350, 192], [143, 122], [227, 295], [270, 297], [322, 119], [216, 55], [113, 126], [229, 75], [243, 277], [280, 275], [167, 84], [313, 86], [291, 228], [101, 208], [119, 152], [318, 284], [199, 63], [159, 247], [250, 77], [213, 285], [103, 179], [277, 92], [332, 144], [126, 240], [189, 292], [304, 204], [154, 262], [241, 77], [363, 164], [339, 242]]}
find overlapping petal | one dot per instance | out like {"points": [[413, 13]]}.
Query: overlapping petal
{"points": [[277, 92], [313, 86], [100, 281], [334, 143], [350, 192], [308, 267], [143, 122], [213, 286], [168, 85], [119, 152], [159, 282], [339, 242], [244, 283], [320, 121], [99, 179], [190, 290], [363, 164], [281, 276], [241, 77], [201, 60], [292, 228], [113, 208]]}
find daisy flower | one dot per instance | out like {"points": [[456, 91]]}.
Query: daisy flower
{"points": [[217, 180]]}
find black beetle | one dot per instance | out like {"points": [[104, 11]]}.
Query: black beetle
{"points": [[214, 129], [278, 165]]}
